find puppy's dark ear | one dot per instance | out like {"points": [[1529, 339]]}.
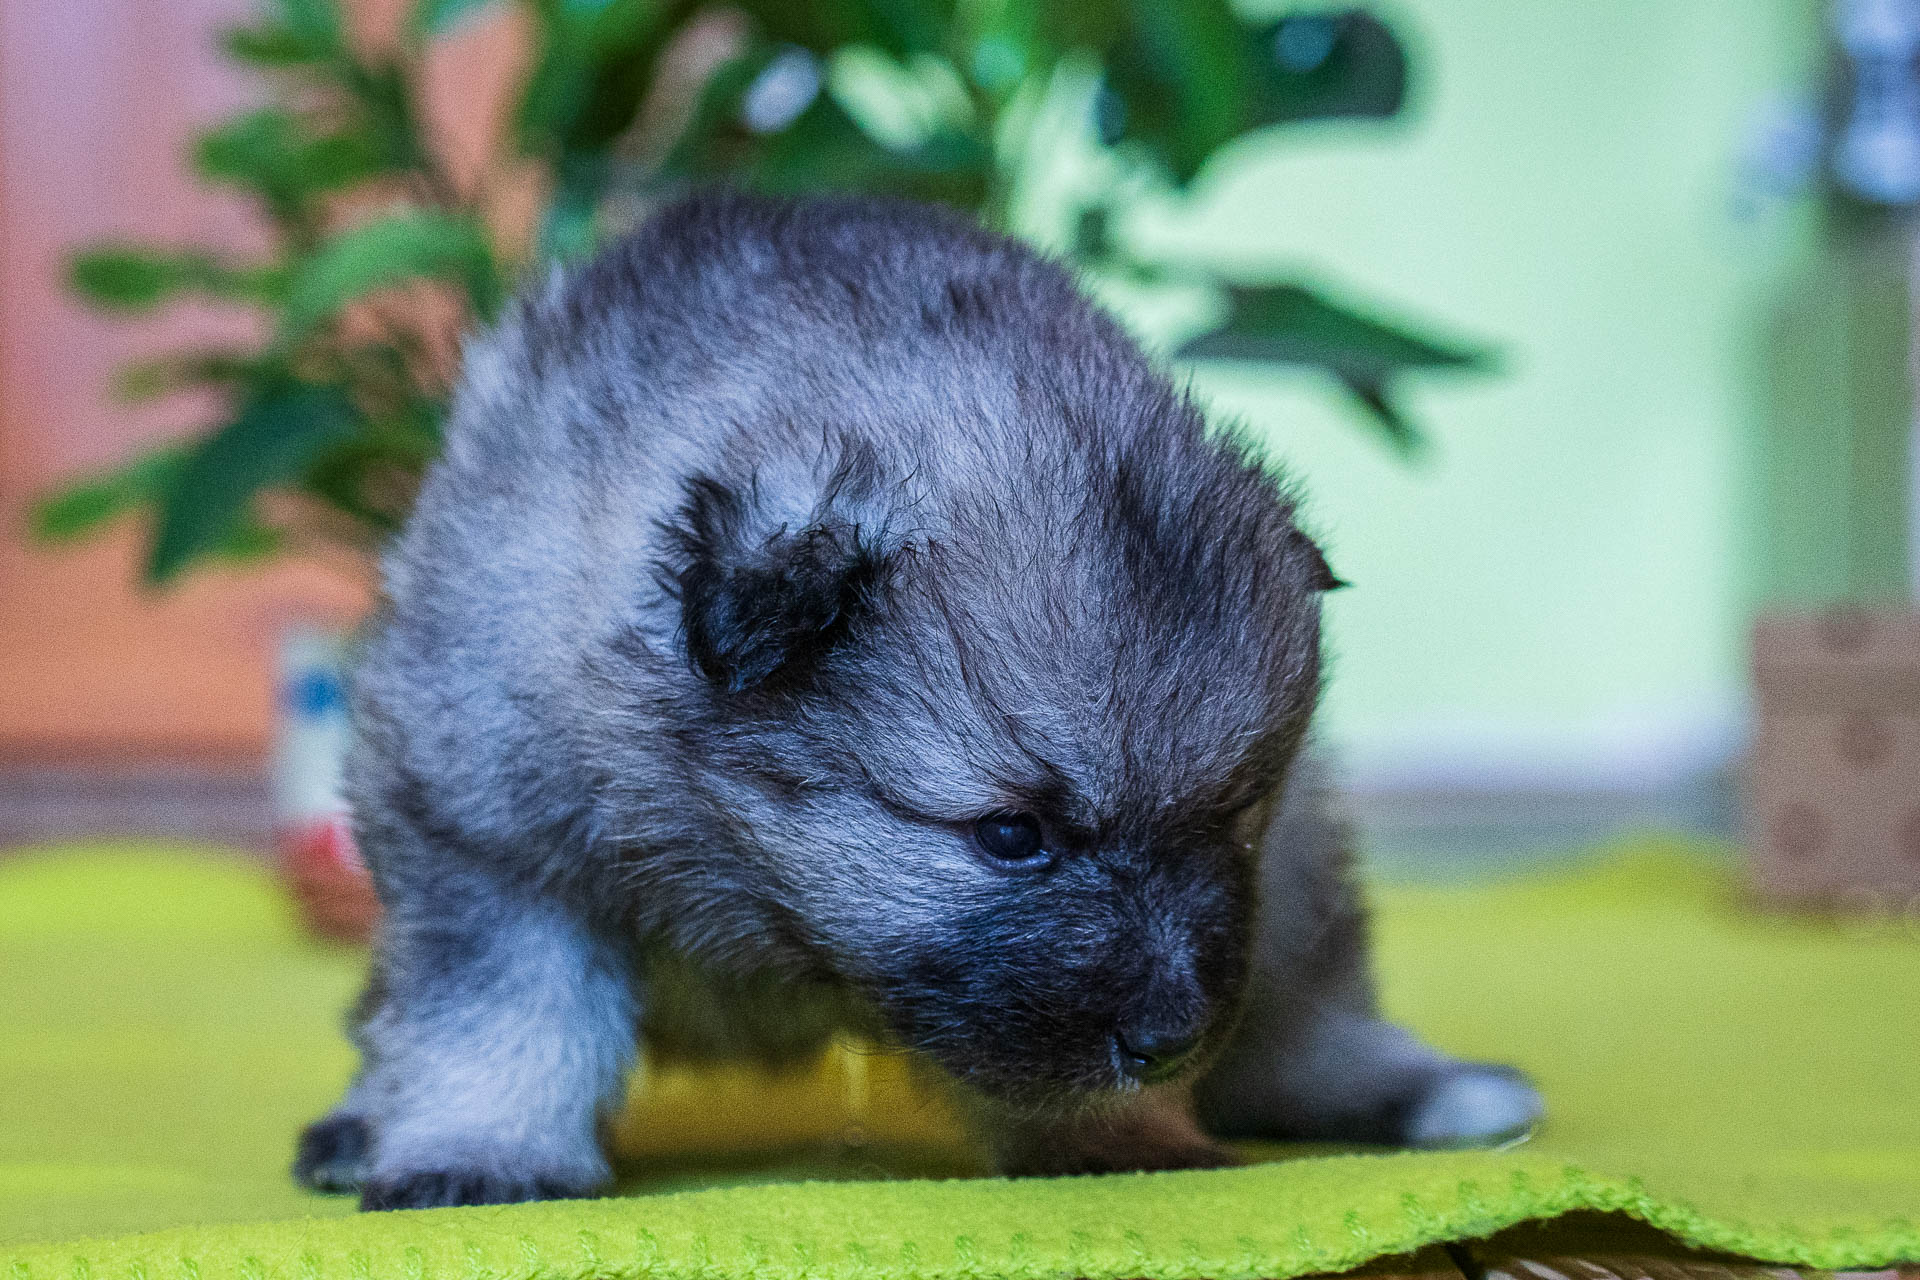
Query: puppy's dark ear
{"points": [[1321, 573], [761, 605]]}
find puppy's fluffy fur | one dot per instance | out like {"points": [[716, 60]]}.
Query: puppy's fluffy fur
{"points": [[770, 554]]}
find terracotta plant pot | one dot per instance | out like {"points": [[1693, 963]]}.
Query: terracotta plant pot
{"points": [[311, 828]]}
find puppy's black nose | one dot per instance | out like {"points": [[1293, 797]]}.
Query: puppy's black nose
{"points": [[1151, 1055]]}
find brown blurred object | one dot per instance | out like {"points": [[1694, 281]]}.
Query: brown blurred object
{"points": [[330, 885], [1834, 792], [97, 102], [1592, 1246]]}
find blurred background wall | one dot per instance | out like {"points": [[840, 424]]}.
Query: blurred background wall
{"points": [[1700, 408], [97, 103], [1703, 406]]}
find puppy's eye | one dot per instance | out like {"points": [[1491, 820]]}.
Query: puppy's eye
{"points": [[1010, 837]]}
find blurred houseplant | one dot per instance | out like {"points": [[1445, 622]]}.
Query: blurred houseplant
{"points": [[378, 258]]}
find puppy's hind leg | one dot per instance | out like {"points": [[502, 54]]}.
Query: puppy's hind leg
{"points": [[1347, 1076], [1311, 1059]]}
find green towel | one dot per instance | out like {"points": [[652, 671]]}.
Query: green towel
{"points": [[1748, 1082]]}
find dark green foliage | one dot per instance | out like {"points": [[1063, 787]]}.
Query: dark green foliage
{"points": [[822, 147], [83, 508], [287, 163], [165, 375], [1292, 324], [592, 69], [145, 482], [391, 250], [379, 259], [899, 27], [435, 17], [136, 278], [278, 434]]}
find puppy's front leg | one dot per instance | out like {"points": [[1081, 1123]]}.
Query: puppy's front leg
{"points": [[1155, 1130], [500, 1033]]}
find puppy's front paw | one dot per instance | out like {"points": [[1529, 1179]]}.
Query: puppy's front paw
{"points": [[332, 1153], [435, 1188], [1474, 1105]]}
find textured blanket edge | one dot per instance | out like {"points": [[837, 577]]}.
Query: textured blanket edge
{"points": [[864, 1231]]}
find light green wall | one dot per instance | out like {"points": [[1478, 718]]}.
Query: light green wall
{"points": [[1565, 583]]}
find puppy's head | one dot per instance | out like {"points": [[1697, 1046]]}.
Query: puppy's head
{"points": [[1002, 740]]}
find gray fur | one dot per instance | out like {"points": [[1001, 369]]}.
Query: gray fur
{"points": [[768, 553]]}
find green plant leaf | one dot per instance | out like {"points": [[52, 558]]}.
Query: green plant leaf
{"points": [[88, 504], [373, 476], [278, 156], [594, 63], [410, 245], [1003, 43], [315, 21], [1183, 78], [386, 125], [273, 45], [153, 379], [1293, 324], [248, 542], [569, 226], [126, 277], [272, 441], [825, 148], [1374, 400], [1327, 65], [900, 27], [822, 147]]}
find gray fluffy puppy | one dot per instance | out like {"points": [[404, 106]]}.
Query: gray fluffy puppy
{"points": [[825, 619]]}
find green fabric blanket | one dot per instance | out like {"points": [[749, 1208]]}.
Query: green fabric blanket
{"points": [[1747, 1082]]}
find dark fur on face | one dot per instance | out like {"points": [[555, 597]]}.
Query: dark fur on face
{"points": [[772, 555]]}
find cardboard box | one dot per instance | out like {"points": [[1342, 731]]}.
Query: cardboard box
{"points": [[1833, 805]]}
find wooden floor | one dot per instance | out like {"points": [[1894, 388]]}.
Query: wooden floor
{"points": [[230, 806], [1594, 1247]]}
